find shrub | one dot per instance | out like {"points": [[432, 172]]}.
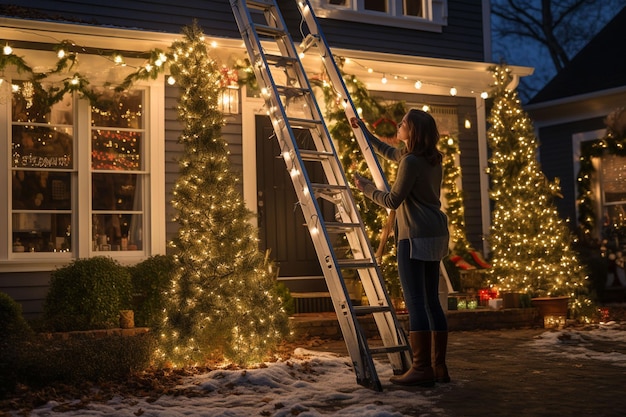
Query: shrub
{"points": [[41, 362], [87, 294], [12, 323], [14, 331], [150, 279]]}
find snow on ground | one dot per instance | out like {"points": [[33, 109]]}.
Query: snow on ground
{"points": [[310, 384], [585, 344], [313, 384]]}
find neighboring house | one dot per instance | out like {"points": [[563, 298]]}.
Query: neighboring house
{"points": [[105, 181], [571, 109]]}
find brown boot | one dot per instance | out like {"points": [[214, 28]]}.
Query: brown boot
{"points": [[440, 344], [421, 372]]}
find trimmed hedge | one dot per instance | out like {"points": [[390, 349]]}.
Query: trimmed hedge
{"points": [[87, 294]]}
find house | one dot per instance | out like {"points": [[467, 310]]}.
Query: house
{"points": [[569, 112], [85, 182]]}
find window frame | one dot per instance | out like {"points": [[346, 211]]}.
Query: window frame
{"points": [[153, 184], [434, 18]]}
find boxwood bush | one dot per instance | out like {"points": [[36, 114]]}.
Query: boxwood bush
{"points": [[87, 294], [14, 332], [150, 279]]}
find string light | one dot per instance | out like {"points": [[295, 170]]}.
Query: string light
{"points": [[417, 83]]}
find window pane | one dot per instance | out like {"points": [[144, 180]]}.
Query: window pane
{"points": [[114, 232], [118, 192], [614, 178], [30, 104], [123, 111], [41, 190], [42, 147], [41, 232], [376, 5], [116, 150], [413, 8]]}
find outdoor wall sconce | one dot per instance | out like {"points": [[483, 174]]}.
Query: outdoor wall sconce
{"points": [[228, 100]]}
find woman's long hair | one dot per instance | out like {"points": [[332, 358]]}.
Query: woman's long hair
{"points": [[423, 136]]}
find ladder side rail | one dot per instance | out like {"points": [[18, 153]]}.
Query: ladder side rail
{"points": [[386, 320], [334, 279], [333, 72], [338, 83]]}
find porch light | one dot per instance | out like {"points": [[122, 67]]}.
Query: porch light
{"points": [[228, 100]]}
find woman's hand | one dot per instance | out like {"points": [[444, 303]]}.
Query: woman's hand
{"points": [[360, 181]]}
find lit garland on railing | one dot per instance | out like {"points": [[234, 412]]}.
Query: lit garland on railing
{"points": [[455, 208]]}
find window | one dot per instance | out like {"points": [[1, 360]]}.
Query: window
{"points": [[82, 180], [44, 172], [428, 15], [42, 168], [117, 174], [613, 190]]}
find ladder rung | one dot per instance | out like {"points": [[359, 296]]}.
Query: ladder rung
{"points": [[280, 60], [328, 188], [356, 263], [304, 123], [364, 310], [388, 349], [308, 155], [260, 4], [292, 91], [341, 227], [270, 31]]}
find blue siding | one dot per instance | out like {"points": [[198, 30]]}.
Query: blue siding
{"points": [[461, 39], [557, 160]]}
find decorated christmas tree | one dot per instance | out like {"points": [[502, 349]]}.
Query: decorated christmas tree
{"points": [[222, 301], [531, 245]]}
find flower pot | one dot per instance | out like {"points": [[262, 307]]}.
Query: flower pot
{"points": [[553, 310]]}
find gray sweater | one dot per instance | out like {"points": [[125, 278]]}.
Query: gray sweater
{"points": [[415, 195]]}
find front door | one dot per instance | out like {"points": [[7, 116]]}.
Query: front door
{"points": [[282, 228]]}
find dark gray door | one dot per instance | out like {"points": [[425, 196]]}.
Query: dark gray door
{"points": [[281, 223]]}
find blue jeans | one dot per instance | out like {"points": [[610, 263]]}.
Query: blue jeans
{"points": [[420, 285]]}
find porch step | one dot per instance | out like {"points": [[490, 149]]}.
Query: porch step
{"points": [[325, 325]]}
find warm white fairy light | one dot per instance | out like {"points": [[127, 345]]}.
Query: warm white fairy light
{"points": [[7, 50]]}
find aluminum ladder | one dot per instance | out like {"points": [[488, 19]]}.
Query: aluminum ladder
{"points": [[340, 240]]}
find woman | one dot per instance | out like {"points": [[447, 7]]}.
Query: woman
{"points": [[421, 238]]}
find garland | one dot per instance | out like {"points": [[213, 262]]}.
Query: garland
{"points": [[608, 145]]}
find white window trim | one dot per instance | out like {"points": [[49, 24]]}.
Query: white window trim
{"points": [[436, 14]]}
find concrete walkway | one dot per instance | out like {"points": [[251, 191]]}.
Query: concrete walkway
{"points": [[499, 373]]}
